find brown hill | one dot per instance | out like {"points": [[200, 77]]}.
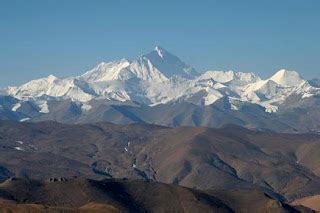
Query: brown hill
{"points": [[312, 202], [83, 195], [230, 158]]}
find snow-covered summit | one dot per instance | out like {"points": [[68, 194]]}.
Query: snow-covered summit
{"points": [[50, 86], [108, 71], [287, 78], [159, 77], [169, 64], [229, 76], [218, 76], [157, 66]]}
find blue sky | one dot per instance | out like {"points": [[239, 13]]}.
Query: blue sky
{"points": [[68, 37]]}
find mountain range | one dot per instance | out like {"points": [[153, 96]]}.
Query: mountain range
{"points": [[281, 167], [159, 88]]}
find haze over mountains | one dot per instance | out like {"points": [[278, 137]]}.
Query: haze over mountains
{"points": [[159, 88]]}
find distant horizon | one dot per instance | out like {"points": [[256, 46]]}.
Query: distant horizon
{"points": [[132, 59], [67, 38]]}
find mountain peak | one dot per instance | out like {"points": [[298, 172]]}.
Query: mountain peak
{"points": [[287, 78], [51, 76], [159, 64], [106, 71], [161, 51], [169, 64], [49, 79], [158, 48]]}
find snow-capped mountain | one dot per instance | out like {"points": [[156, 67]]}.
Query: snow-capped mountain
{"points": [[158, 65], [160, 78]]}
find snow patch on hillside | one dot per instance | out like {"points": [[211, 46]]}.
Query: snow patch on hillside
{"points": [[43, 105], [16, 107]]}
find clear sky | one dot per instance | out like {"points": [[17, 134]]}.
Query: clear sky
{"points": [[68, 37]]}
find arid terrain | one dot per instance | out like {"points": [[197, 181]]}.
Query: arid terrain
{"points": [[284, 166], [83, 195]]}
